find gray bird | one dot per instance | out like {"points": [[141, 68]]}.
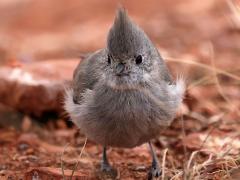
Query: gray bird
{"points": [[123, 95]]}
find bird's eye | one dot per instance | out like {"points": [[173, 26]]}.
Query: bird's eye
{"points": [[138, 59], [109, 59]]}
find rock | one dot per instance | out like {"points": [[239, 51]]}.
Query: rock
{"points": [[10, 117], [36, 88]]}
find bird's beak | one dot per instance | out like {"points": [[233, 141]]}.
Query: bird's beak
{"points": [[120, 69]]}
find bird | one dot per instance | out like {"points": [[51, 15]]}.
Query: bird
{"points": [[123, 95]]}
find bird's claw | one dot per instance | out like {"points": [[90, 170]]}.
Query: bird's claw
{"points": [[154, 172], [106, 167]]}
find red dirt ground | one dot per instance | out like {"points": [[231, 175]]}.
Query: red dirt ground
{"points": [[193, 36]]}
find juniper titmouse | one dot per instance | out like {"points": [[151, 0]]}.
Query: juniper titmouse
{"points": [[123, 95]]}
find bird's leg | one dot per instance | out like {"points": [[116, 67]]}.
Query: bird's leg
{"points": [[155, 170], [105, 166]]}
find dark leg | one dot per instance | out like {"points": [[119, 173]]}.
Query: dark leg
{"points": [[155, 170], [105, 166]]}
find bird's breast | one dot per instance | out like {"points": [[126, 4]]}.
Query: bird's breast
{"points": [[124, 118]]}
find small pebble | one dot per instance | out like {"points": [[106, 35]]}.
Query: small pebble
{"points": [[140, 168], [23, 147]]}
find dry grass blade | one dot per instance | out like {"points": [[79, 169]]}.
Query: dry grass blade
{"points": [[184, 147], [208, 135], [233, 107], [177, 176], [191, 159], [199, 82], [206, 80], [62, 165], [80, 155], [227, 170], [235, 12], [195, 172], [219, 71], [163, 163], [227, 152]]}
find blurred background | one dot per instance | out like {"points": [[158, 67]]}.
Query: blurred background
{"points": [[41, 42]]}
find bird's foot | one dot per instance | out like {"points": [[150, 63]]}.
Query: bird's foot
{"points": [[107, 171], [105, 167], [155, 172]]}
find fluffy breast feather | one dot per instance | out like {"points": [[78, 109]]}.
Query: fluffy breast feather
{"points": [[125, 118]]}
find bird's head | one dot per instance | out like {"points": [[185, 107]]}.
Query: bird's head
{"points": [[130, 55]]}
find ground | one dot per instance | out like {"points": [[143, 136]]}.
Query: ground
{"points": [[42, 42]]}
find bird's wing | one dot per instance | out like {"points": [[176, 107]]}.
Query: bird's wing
{"points": [[86, 75]]}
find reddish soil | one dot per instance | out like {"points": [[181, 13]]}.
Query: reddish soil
{"points": [[193, 36]]}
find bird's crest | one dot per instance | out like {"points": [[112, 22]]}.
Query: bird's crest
{"points": [[125, 36]]}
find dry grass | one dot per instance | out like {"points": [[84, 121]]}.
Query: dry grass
{"points": [[235, 9], [79, 157], [163, 163], [62, 165], [77, 162], [219, 164]]}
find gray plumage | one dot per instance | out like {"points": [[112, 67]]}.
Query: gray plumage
{"points": [[123, 95]]}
